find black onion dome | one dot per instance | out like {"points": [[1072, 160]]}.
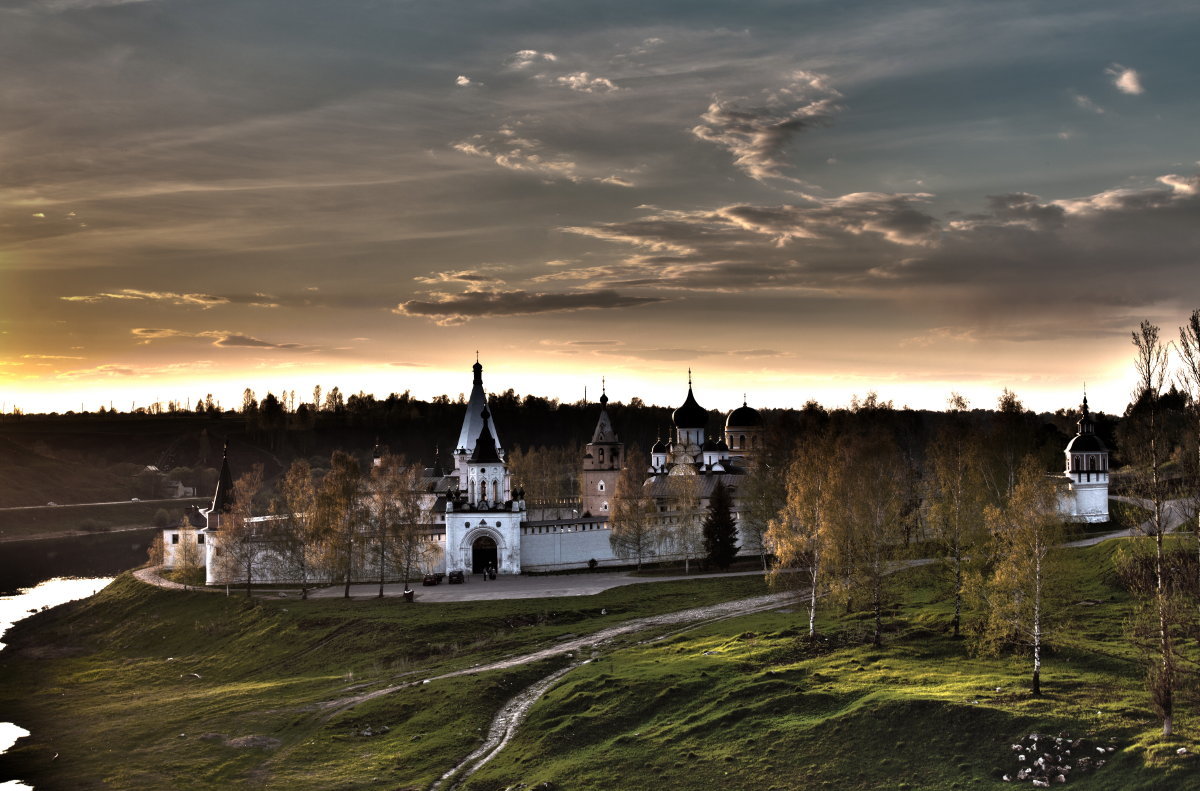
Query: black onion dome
{"points": [[691, 414], [744, 417], [709, 444], [660, 447], [1086, 443], [721, 446]]}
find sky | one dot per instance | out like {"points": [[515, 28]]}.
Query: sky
{"points": [[795, 200]]}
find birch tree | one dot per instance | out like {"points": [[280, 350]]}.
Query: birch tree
{"points": [[1021, 596], [686, 530], [242, 538], [870, 524], [339, 509], [635, 532], [1189, 381], [954, 501], [398, 519], [297, 535], [801, 532], [1150, 365]]}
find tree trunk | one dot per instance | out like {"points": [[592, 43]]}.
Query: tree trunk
{"points": [[812, 601], [877, 606]]}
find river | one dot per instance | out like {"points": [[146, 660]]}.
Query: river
{"points": [[32, 579]]}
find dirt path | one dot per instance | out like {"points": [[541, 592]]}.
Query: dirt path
{"points": [[150, 576]]}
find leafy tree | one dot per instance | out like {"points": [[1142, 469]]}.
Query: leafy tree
{"points": [[720, 532], [803, 530], [635, 533], [297, 534], [685, 531], [763, 494], [1021, 596], [339, 512], [394, 506], [870, 527], [241, 538], [954, 502]]}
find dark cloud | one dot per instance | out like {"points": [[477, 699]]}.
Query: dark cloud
{"points": [[450, 309]]}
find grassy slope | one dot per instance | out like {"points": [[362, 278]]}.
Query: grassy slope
{"points": [[742, 702]]}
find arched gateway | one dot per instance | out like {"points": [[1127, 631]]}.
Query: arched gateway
{"points": [[484, 555]]}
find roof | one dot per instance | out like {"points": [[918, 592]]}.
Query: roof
{"points": [[660, 446], [1086, 443], [223, 496], [485, 446], [472, 422], [604, 430], [691, 414], [743, 417]]}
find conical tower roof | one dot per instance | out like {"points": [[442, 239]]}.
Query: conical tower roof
{"points": [[473, 422], [223, 496]]}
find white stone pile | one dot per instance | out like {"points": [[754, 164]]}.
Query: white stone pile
{"points": [[1044, 760]]}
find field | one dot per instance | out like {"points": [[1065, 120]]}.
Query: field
{"points": [[142, 688]]}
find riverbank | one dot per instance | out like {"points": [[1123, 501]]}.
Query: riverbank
{"points": [[27, 562]]}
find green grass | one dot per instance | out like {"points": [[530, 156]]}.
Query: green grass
{"points": [[745, 703]]}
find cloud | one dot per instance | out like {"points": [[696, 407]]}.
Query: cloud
{"points": [[464, 81], [942, 335], [583, 82], [200, 300], [481, 274], [409, 365], [452, 309], [220, 338], [757, 136], [1085, 103], [1125, 79], [525, 58], [513, 151]]}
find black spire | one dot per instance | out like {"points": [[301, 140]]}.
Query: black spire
{"points": [[223, 496], [485, 446]]}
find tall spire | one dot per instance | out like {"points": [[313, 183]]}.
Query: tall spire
{"points": [[223, 496], [485, 446], [603, 394], [475, 405]]}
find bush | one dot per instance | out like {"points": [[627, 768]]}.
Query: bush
{"points": [[94, 525], [161, 518]]}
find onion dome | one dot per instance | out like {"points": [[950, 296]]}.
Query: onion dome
{"points": [[660, 446], [691, 414], [1086, 440], [744, 417], [709, 444], [721, 446]]}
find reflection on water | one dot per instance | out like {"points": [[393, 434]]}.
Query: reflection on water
{"points": [[50, 593]]}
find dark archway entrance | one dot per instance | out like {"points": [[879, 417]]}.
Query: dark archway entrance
{"points": [[483, 554]]}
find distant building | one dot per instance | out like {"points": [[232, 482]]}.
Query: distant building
{"points": [[477, 519], [1085, 498]]}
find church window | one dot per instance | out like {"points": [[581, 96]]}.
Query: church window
{"points": [[496, 492], [600, 486], [741, 440], [467, 525], [1091, 462], [1075, 464], [199, 538], [174, 538], [497, 523], [603, 506], [483, 490], [602, 455]]}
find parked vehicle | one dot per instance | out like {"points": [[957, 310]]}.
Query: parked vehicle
{"points": [[456, 578], [430, 579]]}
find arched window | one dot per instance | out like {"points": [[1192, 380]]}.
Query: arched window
{"points": [[604, 506], [602, 455], [496, 491], [741, 440], [600, 486], [616, 458], [1091, 462], [1074, 464], [483, 490]]}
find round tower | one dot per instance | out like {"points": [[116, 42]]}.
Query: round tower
{"points": [[744, 431], [1087, 469]]}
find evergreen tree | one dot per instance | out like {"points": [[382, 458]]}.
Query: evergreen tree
{"points": [[720, 533]]}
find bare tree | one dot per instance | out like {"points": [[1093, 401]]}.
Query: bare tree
{"points": [[802, 531], [1189, 381], [762, 496], [398, 519], [1020, 596], [635, 533], [1150, 364]]}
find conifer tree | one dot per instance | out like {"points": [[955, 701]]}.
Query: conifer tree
{"points": [[720, 532]]}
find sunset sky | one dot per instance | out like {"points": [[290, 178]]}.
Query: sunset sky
{"points": [[795, 199]]}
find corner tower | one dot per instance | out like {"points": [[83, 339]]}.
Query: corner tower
{"points": [[1087, 470], [602, 462]]}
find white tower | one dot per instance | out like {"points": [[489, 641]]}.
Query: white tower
{"points": [[483, 522], [473, 421], [602, 462], [1087, 469]]}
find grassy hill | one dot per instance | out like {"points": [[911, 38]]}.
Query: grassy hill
{"points": [[107, 688]]}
